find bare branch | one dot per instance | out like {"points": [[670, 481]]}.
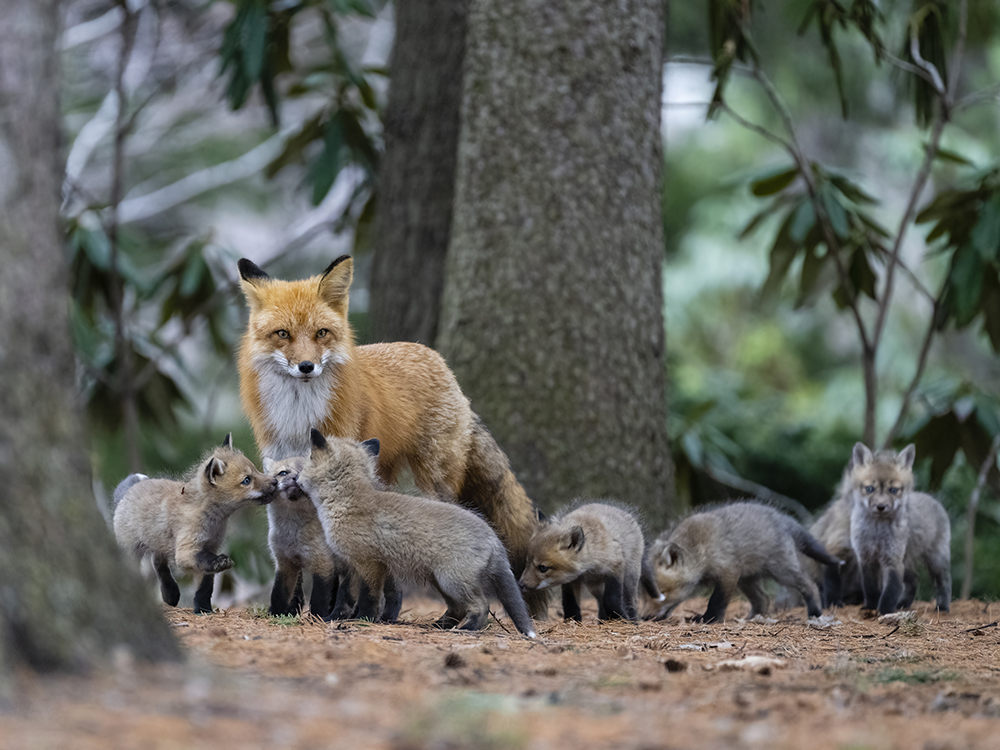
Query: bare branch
{"points": [[933, 76], [970, 516]]}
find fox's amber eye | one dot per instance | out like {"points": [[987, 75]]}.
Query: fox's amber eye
{"points": [[321, 333], [246, 480], [543, 568], [282, 333]]}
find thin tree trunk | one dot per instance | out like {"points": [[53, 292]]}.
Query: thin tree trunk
{"points": [[970, 517], [417, 174], [553, 306], [65, 599]]}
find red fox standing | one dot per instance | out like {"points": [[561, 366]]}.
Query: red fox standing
{"points": [[299, 368]]}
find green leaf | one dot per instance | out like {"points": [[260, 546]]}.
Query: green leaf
{"points": [[253, 37], [951, 156], [774, 182], [295, 146], [835, 212], [783, 252], [803, 220], [850, 190], [812, 265], [965, 283], [985, 235], [326, 168], [990, 303]]}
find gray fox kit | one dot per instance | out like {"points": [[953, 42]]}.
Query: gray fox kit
{"points": [[182, 523], [597, 545], [736, 546], [413, 539], [893, 529]]}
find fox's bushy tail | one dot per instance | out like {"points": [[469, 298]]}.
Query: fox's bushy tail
{"points": [[124, 486], [807, 544], [491, 488], [505, 589]]}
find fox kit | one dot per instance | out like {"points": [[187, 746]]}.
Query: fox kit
{"points": [[597, 545], [299, 368], [838, 585], [298, 544], [893, 529], [736, 546], [182, 523], [409, 538]]}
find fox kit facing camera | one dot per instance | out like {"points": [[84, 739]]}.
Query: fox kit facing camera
{"points": [[182, 523], [415, 539], [736, 546], [299, 368], [596, 545], [893, 529], [298, 545]]}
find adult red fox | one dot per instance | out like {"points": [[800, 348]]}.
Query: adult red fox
{"points": [[299, 368]]}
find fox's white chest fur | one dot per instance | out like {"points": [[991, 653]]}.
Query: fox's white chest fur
{"points": [[292, 406]]}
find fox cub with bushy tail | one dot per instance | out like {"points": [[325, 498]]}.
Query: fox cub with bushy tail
{"points": [[736, 546], [182, 523], [410, 539], [299, 368], [597, 545], [894, 529]]}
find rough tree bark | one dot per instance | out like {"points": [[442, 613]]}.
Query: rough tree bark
{"points": [[417, 174], [553, 303], [65, 600]]}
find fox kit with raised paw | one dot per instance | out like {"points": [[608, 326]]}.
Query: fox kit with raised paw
{"points": [[182, 523], [299, 368], [414, 539], [736, 547], [894, 529], [597, 545]]}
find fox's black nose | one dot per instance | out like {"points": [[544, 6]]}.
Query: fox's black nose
{"points": [[306, 367], [881, 507]]}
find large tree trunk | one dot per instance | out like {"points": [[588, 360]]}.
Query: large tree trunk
{"points": [[65, 599], [417, 175], [553, 304]]}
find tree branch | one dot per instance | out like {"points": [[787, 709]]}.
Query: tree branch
{"points": [[970, 516]]}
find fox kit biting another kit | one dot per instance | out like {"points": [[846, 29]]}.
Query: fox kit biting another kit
{"points": [[299, 368], [893, 529], [422, 541], [596, 545], [182, 523], [736, 546]]}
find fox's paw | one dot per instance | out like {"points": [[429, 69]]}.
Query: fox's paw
{"points": [[221, 563]]}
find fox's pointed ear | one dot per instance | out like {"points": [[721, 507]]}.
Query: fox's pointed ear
{"points": [[372, 446], [335, 282], [861, 455], [267, 465], [250, 282], [672, 554], [906, 457], [318, 441], [575, 538], [228, 441], [214, 469]]}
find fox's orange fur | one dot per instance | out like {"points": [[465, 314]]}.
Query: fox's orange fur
{"points": [[300, 368]]}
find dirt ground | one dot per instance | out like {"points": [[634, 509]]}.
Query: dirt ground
{"points": [[250, 681]]}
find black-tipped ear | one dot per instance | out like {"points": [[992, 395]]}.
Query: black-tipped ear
{"points": [[250, 271], [317, 439], [576, 538], [228, 441], [214, 469], [540, 516], [372, 446], [861, 455], [335, 282]]}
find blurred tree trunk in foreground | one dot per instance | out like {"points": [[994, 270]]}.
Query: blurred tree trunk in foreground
{"points": [[65, 599], [553, 302], [417, 177]]}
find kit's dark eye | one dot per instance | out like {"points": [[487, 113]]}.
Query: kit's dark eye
{"points": [[246, 481], [543, 568], [869, 489], [283, 473], [321, 333], [281, 333], [894, 490]]}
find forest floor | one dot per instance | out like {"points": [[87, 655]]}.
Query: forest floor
{"points": [[844, 681]]}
